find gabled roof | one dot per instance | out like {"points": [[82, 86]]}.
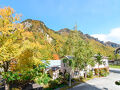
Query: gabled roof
{"points": [[53, 63], [69, 57], [55, 68]]}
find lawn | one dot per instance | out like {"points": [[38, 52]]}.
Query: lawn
{"points": [[114, 66]]}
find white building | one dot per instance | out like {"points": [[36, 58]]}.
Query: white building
{"points": [[104, 63], [54, 68], [57, 66], [77, 73]]}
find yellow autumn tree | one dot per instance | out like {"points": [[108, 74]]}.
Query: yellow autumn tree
{"points": [[18, 45], [10, 33], [29, 55]]}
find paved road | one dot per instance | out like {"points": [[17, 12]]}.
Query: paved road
{"points": [[104, 83]]}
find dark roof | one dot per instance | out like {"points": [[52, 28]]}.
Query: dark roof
{"points": [[117, 50], [69, 57], [54, 68]]}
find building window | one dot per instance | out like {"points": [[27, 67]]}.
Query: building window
{"points": [[76, 73]]}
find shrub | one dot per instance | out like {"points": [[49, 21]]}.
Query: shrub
{"points": [[53, 84], [81, 77], [11, 76], [42, 79], [20, 79], [96, 71], [66, 76], [102, 71], [60, 79], [90, 74], [117, 82]]}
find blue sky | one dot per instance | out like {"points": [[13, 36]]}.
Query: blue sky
{"points": [[95, 17]]}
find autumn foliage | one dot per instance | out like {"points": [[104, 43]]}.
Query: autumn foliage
{"points": [[56, 57], [20, 50]]}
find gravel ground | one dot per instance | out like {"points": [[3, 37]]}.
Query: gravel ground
{"points": [[104, 83]]}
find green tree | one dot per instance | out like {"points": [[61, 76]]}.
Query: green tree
{"points": [[116, 56], [99, 61], [79, 50]]}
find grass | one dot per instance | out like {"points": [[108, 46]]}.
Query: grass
{"points": [[77, 82], [67, 87], [115, 66]]}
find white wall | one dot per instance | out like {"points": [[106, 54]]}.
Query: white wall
{"points": [[81, 73], [53, 63], [105, 64]]}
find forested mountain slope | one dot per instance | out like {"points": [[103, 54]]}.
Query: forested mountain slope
{"points": [[56, 38]]}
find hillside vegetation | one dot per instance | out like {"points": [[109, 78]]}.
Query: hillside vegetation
{"points": [[55, 39]]}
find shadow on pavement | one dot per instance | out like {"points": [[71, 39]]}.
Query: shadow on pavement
{"points": [[115, 71], [2, 88], [87, 86]]}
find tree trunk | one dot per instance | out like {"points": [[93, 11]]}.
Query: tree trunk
{"points": [[7, 87], [85, 74], [6, 66], [98, 71], [70, 79]]}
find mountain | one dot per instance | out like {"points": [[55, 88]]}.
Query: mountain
{"points": [[112, 44], [39, 29], [64, 31], [96, 39], [115, 45]]}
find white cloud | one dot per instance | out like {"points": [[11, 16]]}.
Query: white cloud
{"points": [[101, 37], [113, 36]]}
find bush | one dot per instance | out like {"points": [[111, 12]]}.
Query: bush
{"points": [[66, 76], [20, 79], [42, 79], [117, 82], [53, 84], [96, 71], [102, 71], [90, 74], [11, 76], [81, 77]]}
